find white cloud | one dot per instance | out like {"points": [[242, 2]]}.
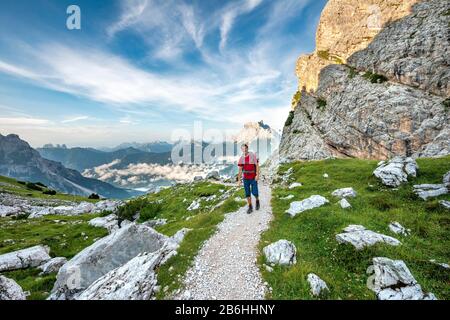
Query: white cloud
{"points": [[23, 121], [75, 119]]}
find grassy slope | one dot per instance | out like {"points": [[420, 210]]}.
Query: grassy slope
{"points": [[344, 269], [67, 237]]}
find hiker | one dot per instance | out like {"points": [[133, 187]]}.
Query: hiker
{"points": [[249, 171]]}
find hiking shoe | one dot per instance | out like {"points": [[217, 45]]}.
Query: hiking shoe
{"points": [[258, 205], [249, 210]]}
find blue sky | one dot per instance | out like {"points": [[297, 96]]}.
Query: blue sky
{"points": [[138, 69]]}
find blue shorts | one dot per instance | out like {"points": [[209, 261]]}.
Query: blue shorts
{"points": [[251, 187]]}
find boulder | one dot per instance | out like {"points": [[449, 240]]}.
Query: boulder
{"points": [[6, 211], [359, 237], [399, 229], [103, 256], [10, 290], [63, 210], [135, 280], [213, 175], [40, 212], [392, 280], [344, 204], [26, 258], [107, 205], [198, 178], [82, 208], [318, 286], [282, 252], [155, 223], [307, 204], [344, 193], [396, 171], [295, 185], [52, 266], [425, 191], [110, 222]]}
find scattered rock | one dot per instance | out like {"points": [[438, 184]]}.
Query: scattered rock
{"points": [[295, 185], [425, 191], [344, 193], [359, 237], [53, 265], [268, 268], [103, 256], [392, 280], [10, 290], [282, 252], [345, 204], [6, 211], [198, 178], [26, 258], [109, 222], [213, 175], [307, 204], [155, 223], [399, 229], [289, 197], [317, 285], [194, 205], [443, 265], [396, 171], [445, 204], [446, 180]]}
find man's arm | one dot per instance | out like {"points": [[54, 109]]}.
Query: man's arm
{"points": [[257, 170], [240, 175]]}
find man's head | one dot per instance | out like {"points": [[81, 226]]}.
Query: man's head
{"points": [[244, 148]]}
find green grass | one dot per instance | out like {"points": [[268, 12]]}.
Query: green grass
{"points": [[296, 99], [344, 269], [446, 104], [321, 104], [65, 238], [290, 119]]}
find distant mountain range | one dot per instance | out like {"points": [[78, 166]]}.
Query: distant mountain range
{"points": [[153, 147], [18, 160]]}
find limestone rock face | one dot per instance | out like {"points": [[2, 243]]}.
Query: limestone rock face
{"points": [[347, 109], [345, 27]]}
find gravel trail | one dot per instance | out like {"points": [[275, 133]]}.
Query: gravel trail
{"points": [[225, 268]]}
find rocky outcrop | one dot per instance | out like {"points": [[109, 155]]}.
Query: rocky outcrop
{"points": [[26, 258], [373, 103], [396, 171], [392, 280], [104, 256], [10, 290], [312, 202], [282, 252], [360, 238]]}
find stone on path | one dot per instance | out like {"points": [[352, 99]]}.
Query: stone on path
{"points": [[318, 286], [282, 252], [307, 204], [359, 237], [10, 290], [26, 258], [392, 280]]}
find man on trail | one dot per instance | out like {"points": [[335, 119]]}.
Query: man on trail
{"points": [[249, 170]]}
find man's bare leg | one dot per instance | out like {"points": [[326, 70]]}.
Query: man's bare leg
{"points": [[250, 206]]}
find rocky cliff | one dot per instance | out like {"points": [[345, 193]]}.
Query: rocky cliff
{"points": [[377, 84]]}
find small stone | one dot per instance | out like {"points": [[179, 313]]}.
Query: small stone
{"points": [[399, 229], [344, 193], [295, 185], [344, 204], [317, 285]]}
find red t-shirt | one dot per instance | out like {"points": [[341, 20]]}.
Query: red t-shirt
{"points": [[248, 164]]}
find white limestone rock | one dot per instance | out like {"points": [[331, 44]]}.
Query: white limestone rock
{"points": [[445, 204], [307, 204], [6, 211], [318, 286], [179, 236], [345, 204], [295, 185], [425, 191], [344, 193], [194, 205], [396, 171], [359, 237], [53, 265], [441, 264], [399, 229], [282, 252], [289, 197], [26, 258], [446, 180], [110, 222], [103, 256], [10, 290], [392, 280]]}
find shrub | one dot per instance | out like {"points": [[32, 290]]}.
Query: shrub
{"points": [[321, 103], [33, 186], [128, 211], [21, 182], [324, 55], [375, 78], [49, 192], [446, 104], [289, 119], [352, 72], [296, 99], [94, 196], [296, 131], [40, 184], [150, 212]]}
